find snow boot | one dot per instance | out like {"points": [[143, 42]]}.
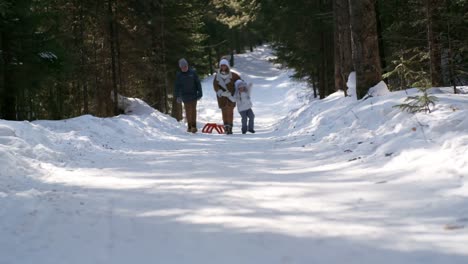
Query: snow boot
{"points": [[228, 129]]}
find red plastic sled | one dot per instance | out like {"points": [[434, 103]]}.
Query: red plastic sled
{"points": [[208, 128]]}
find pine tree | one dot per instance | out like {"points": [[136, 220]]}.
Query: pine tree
{"points": [[419, 103]]}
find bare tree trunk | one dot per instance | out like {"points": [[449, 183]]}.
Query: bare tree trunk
{"points": [[113, 56], [433, 42], [321, 81], [232, 42], [99, 103], [314, 82], [164, 62], [83, 63], [450, 58], [218, 55], [176, 109], [237, 39], [2, 75], [342, 51], [366, 57], [250, 36], [210, 60], [119, 60], [383, 60], [8, 96], [325, 54]]}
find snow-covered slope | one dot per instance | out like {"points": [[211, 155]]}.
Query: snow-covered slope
{"points": [[330, 181]]}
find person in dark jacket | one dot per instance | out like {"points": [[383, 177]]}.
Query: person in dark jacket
{"points": [[188, 90]]}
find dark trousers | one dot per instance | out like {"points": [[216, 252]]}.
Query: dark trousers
{"points": [[228, 115], [251, 116], [191, 113]]}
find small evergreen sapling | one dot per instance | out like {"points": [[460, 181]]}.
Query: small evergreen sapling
{"points": [[418, 103]]}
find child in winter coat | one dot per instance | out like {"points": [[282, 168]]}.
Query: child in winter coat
{"points": [[244, 105]]}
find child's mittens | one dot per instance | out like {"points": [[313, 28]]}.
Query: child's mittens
{"points": [[219, 93]]}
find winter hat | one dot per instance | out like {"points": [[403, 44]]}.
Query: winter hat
{"points": [[183, 63], [224, 62], [239, 84]]}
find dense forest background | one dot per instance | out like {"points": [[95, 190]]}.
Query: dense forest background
{"points": [[65, 58]]}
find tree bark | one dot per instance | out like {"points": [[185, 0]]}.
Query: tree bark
{"points": [[8, 96], [210, 60], [383, 60], [433, 42], [366, 57], [342, 50], [164, 62], [450, 57], [83, 62], [113, 56], [176, 109], [314, 82]]}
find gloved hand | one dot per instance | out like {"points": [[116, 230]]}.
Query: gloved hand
{"points": [[232, 99], [179, 100], [219, 93], [227, 94]]}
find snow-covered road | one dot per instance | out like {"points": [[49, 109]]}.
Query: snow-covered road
{"points": [[138, 189]]}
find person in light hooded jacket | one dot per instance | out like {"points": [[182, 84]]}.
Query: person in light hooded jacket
{"points": [[223, 85], [244, 105]]}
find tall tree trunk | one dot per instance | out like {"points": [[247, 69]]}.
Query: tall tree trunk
{"points": [[325, 53], [250, 40], [119, 59], [176, 109], [342, 50], [238, 41], [78, 75], [433, 42], [164, 62], [113, 55], [232, 42], [450, 55], [2, 75], [83, 62], [210, 60], [218, 55], [314, 82], [366, 58], [321, 82], [98, 103], [8, 95], [383, 60]]}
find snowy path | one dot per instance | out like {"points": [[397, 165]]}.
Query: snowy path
{"points": [[182, 198]]}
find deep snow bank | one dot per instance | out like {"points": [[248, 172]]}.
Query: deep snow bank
{"points": [[24, 144], [373, 131]]}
